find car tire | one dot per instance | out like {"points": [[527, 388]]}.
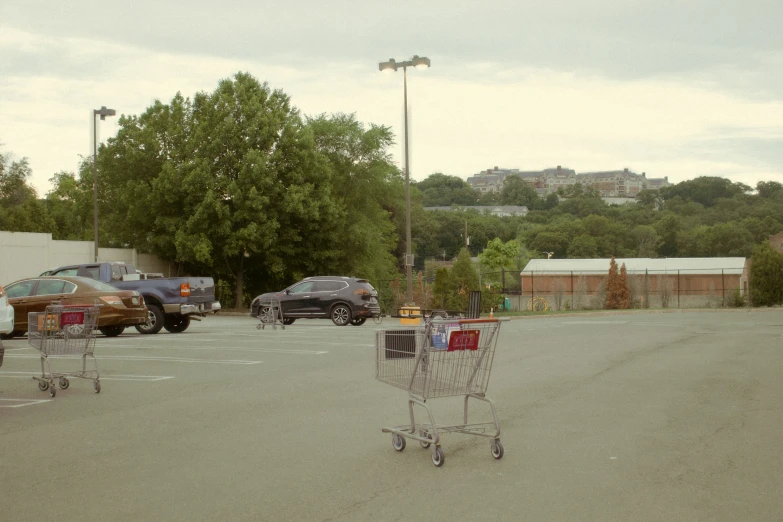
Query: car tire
{"points": [[112, 331], [289, 320], [154, 322], [358, 321], [11, 335], [341, 314], [176, 323]]}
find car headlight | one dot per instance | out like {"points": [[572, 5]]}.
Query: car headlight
{"points": [[135, 300]]}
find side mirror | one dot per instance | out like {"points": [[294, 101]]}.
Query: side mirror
{"points": [[288, 292]]}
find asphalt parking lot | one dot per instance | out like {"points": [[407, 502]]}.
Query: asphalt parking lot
{"points": [[650, 416]]}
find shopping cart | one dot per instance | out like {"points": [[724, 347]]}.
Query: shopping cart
{"points": [[270, 311], [442, 359], [62, 331]]}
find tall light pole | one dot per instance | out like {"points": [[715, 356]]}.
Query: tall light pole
{"points": [[419, 62], [102, 112]]}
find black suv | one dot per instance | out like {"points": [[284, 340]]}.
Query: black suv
{"points": [[345, 300]]}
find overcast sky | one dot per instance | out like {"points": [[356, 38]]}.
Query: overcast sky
{"points": [[676, 88]]}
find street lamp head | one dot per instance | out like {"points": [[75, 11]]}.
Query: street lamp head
{"points": [[420, 62], [391, 65], [103, 112]]}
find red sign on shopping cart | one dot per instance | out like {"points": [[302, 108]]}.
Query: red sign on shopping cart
{"points": [[464, 340], [69, 318]]}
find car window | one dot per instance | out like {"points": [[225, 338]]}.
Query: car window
{"points": [[96, 285], [366, 286], [330, 286], [93, 272], [321, 286], [116, 273], [54, 286], [66, 272], [301, 288], [20, 289]]}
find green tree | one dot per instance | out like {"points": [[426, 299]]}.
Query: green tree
{"points": [[20, 209], [463, 278], [441, 190], [766, 276], [440, 289], [624, 289], [517, 191], [583, 247], [70, 205]]}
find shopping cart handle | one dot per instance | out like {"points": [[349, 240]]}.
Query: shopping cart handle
{"points": [[479, 320]]}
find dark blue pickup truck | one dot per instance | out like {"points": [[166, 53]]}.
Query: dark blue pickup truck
{"points": [[171, 301]]}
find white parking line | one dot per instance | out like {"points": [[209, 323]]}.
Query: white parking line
{"points": [[147, 378], [140, 358], [21, 402], [227, 349]]}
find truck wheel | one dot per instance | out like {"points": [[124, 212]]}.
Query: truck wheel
{"points": [[112, 331], [176, 323], [154, 322]]}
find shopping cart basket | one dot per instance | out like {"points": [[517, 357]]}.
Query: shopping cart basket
{"points": [[270, 312], [442, 359], [63, 331]]}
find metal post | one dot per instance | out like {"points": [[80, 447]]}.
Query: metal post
{"points": [[723, 285], [95, 182], [572, 289], [678, 288], [408, 264]]}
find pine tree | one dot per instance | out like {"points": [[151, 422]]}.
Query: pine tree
{"points": [[625, 289], [613, 287]]}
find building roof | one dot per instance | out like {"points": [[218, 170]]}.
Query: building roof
{"points": [[669, 265]]}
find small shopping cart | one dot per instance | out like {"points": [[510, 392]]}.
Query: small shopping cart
{"points": [[64, 330], [270, 312], [442, 359]]}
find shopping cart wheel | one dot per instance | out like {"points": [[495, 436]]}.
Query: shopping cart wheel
{"points": [[259, 327], [437, 457], [64, 383], [43, 385], [497, 449], [97, 386], [52, 391], [398, 442], [425, 445]]}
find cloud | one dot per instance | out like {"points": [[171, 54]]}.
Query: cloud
{"points": [[576, 108]]}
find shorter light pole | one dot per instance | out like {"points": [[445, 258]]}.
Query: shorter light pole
{"points": [[102, 112]]}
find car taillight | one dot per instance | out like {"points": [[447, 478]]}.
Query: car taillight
{"points": [[184, 289]]}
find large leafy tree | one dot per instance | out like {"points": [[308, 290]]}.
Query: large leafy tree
{"points": [[367, 188], [227, 182]]}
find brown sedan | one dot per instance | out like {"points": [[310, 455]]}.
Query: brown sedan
{"points": [[120, 308]]}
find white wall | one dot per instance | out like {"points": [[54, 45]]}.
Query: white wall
{"points": [[24, 254]]}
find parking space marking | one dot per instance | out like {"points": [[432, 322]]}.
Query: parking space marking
{"points": [[148, 378], [151, 358], [229, 349], [20, 403]]}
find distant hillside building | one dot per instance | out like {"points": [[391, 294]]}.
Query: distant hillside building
{"points": [[613, 183]]}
